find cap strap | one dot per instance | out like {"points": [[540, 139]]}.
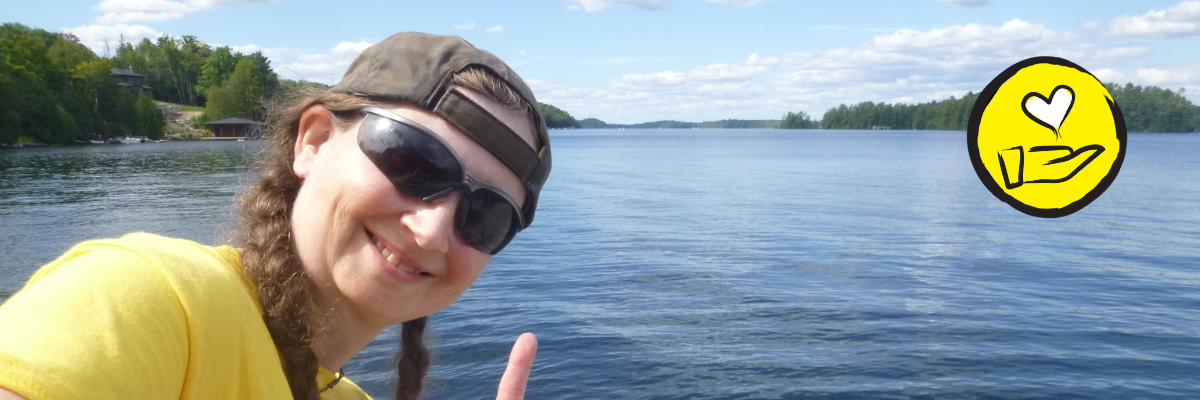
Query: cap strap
{"points": [[489, 132]]}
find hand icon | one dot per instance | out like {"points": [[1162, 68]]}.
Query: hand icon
{"points": [[1046, 164], [520, 361]]}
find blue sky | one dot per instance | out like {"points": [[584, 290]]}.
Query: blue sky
{"points": [[628, 61]]}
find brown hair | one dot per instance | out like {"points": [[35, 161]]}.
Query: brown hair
{"points": [[269, 256]]}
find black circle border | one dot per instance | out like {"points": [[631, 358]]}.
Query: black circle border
{"points": [[981, 104]]}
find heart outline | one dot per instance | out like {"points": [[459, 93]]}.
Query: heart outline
{"points": [[1049, 101]]}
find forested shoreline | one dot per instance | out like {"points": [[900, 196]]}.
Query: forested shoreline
{"points": [[55, 90], [1146, 109]]}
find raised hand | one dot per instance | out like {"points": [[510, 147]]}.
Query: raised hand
{"points": [[512, 384]]}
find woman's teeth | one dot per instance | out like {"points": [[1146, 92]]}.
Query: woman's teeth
{"points": [[395, 261]]}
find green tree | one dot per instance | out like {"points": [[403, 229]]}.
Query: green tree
{"points": [[112, 110], [1155, 109], [288, 87], [270, 78], [950, 114], [30, 86], [216, 69], [240, 96], [799, 120], [557, 118], [54, 90], [67, 53], [149, 119], [592, 123]]}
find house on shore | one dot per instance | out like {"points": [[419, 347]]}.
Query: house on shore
{"points": [[234, 128], [129, 78]]}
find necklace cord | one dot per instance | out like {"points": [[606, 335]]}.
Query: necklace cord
{"points": [[337, 378]]}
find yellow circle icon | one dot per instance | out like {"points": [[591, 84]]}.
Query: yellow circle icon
{"points": [[1046, 137]]}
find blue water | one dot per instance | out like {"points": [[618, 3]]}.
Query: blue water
{"points": [[743, 264]]}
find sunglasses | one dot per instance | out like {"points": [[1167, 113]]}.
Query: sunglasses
{"points": [[424, 166]]}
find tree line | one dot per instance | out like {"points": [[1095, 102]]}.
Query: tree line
{"points": [[1146, 109], [556, 118], [593, 123], [55, 90], [228, 84], [1154, 109], [950, 114]]}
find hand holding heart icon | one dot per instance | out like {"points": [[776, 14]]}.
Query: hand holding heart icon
{"points": [[1023, 166], [1051, 112]]}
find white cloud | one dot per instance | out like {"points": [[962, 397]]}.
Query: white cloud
{"points": [[126, 11], [740, 3], [906, 65], [207, 4], [650, 80], [1107, 75], [273, 53], [1177, 20], [1175, 75], [465, 27], [96, 37], [752, 67], [351, 49], [325, 68], [601, 5], [496, 28], [968, 3]]}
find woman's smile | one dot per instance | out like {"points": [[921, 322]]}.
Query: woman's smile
{"points": [[397, 262]]}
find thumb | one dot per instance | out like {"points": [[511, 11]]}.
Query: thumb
{"points": [[520, 361]]}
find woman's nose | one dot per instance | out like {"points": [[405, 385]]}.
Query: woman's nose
{"points": [[432, 224]]}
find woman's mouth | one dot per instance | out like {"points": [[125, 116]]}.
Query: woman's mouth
{"points": [[393, 259]]}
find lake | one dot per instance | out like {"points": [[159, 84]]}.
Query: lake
{"points": [[740, 264]]}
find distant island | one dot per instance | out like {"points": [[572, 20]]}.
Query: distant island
{"points": [[1146, 109], [592, 123]]}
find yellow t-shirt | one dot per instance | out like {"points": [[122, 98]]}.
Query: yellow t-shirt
{"points": [[143, 317]]}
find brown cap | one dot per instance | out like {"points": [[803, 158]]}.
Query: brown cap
{"points": [[416, 67]]}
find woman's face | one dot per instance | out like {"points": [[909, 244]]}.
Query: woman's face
{"points": [[347, 210]]}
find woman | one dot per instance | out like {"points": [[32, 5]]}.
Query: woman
{"points": [[383, 200]]}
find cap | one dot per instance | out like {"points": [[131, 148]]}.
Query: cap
{"points": [[416, 68]]}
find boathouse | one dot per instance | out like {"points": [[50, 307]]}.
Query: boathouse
{"points": [[234, 128]]}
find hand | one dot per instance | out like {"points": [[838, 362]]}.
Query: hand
{"points": [[512, 384], [1044, 164]]}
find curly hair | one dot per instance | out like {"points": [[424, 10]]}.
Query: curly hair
{"points": [[269, 256]]}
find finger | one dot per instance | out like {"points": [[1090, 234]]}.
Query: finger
{"points": [[512, 384], [1045, 157], [1062, 169]]}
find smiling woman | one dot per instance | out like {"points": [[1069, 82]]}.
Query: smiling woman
{"points": [[380, 202]]}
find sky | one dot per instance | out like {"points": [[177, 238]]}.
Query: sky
{"points": [[630, 61]]}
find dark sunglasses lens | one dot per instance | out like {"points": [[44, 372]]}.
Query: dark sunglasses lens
{"points": [[487, 221], [417, 164]]}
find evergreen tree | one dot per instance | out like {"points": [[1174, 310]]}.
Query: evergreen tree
{"points": [[270, 78]]}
